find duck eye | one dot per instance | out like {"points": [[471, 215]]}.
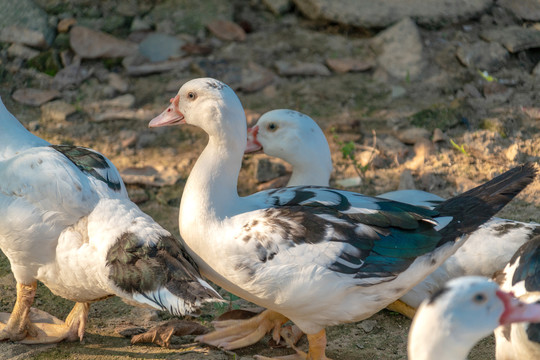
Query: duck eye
{"points": [[191, 95], [272, 127], [479, 298]]}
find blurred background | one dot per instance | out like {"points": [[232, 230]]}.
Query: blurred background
{"points": [[437, 95]]}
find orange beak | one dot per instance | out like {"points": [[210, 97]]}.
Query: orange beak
{"points": [[252, 143], [171, 116]]}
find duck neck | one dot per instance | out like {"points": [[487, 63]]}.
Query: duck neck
{"points": [[13, 135], [309, 173], [210, 194]]}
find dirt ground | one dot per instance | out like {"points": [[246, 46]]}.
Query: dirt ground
{"points": [[495, 133]]}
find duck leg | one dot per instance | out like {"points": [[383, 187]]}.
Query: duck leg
{"points": [[317, 347], [18, 325], [235, 334], [72, 330], [402, 308], [31, 326]]}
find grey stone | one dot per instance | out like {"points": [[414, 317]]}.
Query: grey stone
{"points": [[413, 135], [406, 180], [367, 325], [71, 76], [297, 68], [514, 38], [160, 47], [21, 35], [187, 16], [34, 97], [226, 30], [91, 44], [344, 65], [278, 7], [267, 169], [536, 70], [404, 39], [137, 65], [56, 111], [382, 13], [25, 14], [253, 78], [149, 175], [139, 24], [117, 82], [524, 9], [483, 56], [21, 51]]}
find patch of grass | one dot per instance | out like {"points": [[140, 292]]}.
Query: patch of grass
{"points": [[438, 116], [494, 125]]}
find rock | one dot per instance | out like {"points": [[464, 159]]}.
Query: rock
{"points": [[65, 24], [71, 76], [30, 21], [135, 67], [118, 108], [117, 82], [511, 152], [34, 97], [147, 175], [267, 169], [524, 9], [472, 91], [391, 146], [413, 135], [438, 135], [139, 24], [514, 38], [483, 56], [397, 91], [91, 44], [20, 35], [160, 47], [345, 65], [56, 111], [21, 51], [382, 13], [536, 70], [226, 30], [123, 114], [349, 182], [367, 325], [253, 78], [137, 195], [298, 68], [406, 180], [404, 39], [532, 112], [278, 7], [187, 16]]}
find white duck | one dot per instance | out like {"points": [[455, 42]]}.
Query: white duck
{"points": [[297, 139], [66, 220], [315, 255], [457, 316], [521, 277]]}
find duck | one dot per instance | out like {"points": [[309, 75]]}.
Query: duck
{"points": [[466, 309], [66, 220], [521, 276], [297, 139], [314, 255]]}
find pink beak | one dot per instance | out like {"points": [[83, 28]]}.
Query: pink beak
{"points": [[516, 310], [252, 143], [171, 115]]}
